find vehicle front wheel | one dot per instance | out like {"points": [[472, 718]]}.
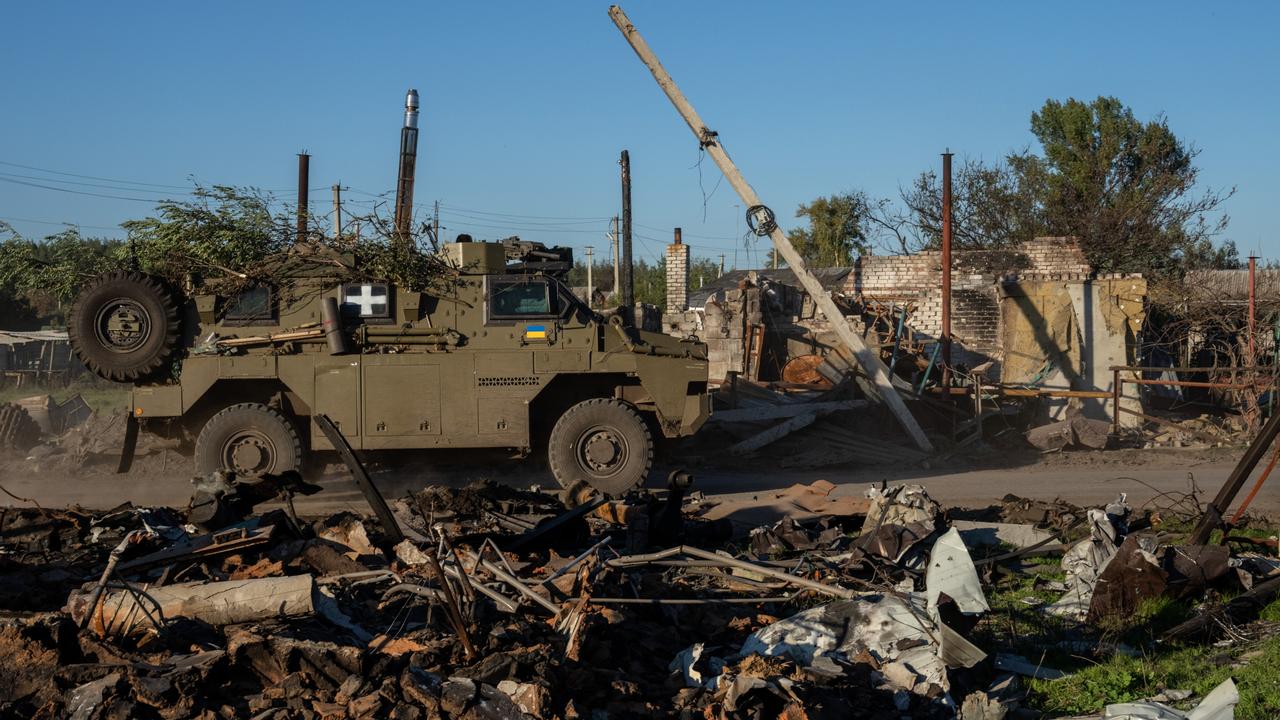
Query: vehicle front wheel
{"points": [[249, 439], [602, 442]]}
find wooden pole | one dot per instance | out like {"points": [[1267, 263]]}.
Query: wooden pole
{"points": [[337, 213], [591, 285], [617, 274], [628, 296], [946, 270], [865, 356]]}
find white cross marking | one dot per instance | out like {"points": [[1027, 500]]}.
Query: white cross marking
{"points": [[366, 300]]}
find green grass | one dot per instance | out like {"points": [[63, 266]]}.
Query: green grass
{"points": [[1095, 681], [1013, 626], [1198, 669], [102, 396]]}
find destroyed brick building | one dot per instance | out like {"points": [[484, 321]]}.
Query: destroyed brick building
{"points": [[1037, 315]]}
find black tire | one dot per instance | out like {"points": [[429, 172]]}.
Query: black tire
{"points": [[602, 442], [125, 326], [19, 432], [250, 440]]}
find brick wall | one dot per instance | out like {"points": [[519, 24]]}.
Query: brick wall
{"points": [[677, 267], [975, 275]]}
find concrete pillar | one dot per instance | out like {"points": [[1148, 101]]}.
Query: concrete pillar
{"points": [[677, 265]]}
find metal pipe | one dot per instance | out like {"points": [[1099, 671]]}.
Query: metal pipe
{"points": [[1253, 264], [729, 561], [331, 321], [628, 296], [1145, 368], [1117, 390], [408, 161], [946, 269], [406, 330], [451, 603], [304, 182], [1212, 517], [688, 601], [1266, 472], [574, 562], [523, 589], [1193, 383]]}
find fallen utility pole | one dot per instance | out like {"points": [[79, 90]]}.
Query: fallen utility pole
{"points": [[764, 223], [1212, 517]]}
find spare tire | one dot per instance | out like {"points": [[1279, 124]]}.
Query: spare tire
{"points": [[18, 430], [125, 326]]}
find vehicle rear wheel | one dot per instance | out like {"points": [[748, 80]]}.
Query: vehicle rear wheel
{"points": [[249, 439], [18, 430], [602, 442], [125, 326]]}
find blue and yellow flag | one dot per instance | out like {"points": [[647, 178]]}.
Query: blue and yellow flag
{"points": [[535, 332]]}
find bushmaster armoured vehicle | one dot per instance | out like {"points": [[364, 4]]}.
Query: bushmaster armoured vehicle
{"points": [[505, 356]]}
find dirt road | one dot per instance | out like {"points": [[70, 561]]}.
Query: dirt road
{"points": [[1081, 478]]}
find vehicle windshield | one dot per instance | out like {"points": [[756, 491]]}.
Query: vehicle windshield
{"points": [[521, 298]]}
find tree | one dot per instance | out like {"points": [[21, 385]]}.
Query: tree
{"points": [[992, 206], [223, 230], [835, 234], [38, 279], [1124, 187]]}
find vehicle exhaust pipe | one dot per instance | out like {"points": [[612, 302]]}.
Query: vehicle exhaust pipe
{"points": [[331, 321], [408, 161]]}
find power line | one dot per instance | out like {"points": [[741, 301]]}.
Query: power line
{"points": [[77, 192], [52, 222], [523, 217], [88, 177], [118, 181], [549, 224], [86, 184], [687, 234], [467, 222]]}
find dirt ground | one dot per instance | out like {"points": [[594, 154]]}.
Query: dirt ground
{"points": [[1083, 478]]}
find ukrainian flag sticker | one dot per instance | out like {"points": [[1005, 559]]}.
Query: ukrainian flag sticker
{"points": [[535, 332]]}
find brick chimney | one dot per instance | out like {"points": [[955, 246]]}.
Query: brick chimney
{"points": [[677, 265]]}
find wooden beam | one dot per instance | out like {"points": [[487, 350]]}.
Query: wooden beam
{"points": [[773, 434], [779, 412], [866, 357]]}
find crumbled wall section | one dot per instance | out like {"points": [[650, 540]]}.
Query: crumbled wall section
{"points": [[975, 302]]}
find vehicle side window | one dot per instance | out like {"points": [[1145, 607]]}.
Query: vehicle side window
{"points": [[251, 306], [520, 298]]}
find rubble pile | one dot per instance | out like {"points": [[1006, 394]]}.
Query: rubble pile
{"points": [[489, 602]]}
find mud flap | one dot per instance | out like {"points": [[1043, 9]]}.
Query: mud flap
{"points": [[130, 444]]}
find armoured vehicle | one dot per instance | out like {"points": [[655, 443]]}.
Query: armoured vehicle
{"points": [[504, 357]]}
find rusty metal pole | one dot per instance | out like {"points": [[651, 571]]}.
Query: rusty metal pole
{"points": [[946, 269], [1251, 395], [304, 181], [628, 296], [1214, 513], [1117, 393], [1253, 264]]}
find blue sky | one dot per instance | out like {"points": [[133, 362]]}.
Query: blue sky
{"points": [[527, 105]]}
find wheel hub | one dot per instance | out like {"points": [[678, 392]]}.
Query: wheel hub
{"points": [[122, 325], [249, 455], [603, 451]]}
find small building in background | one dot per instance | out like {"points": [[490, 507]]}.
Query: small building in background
{"points": [[37, 355]]}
